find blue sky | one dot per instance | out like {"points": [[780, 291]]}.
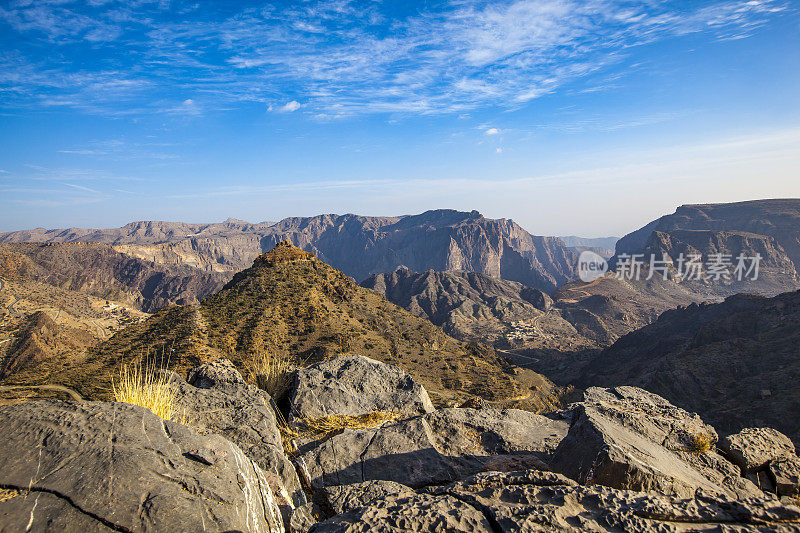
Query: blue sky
{"points": [[571, 117]]}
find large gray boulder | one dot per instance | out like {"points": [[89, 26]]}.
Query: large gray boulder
{"points": [[598, 450], [545, 501], [680, 432], [436, 448], [102, 466], [216, 399], [753, 448], [355, 385]]}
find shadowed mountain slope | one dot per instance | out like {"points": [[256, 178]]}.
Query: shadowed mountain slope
{"points": [[737, 363]]}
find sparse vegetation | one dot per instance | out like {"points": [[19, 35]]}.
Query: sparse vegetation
{"points": [[273, 373], [147, 386], [700, 443], [328, 426]]}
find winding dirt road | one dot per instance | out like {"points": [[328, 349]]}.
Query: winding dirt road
{"points": [[586, 294], [11, 306]]}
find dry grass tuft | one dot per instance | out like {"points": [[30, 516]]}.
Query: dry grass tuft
{"points": [[146, 386], [273, 373], [7, 494], [700, 443], [327, 426]]}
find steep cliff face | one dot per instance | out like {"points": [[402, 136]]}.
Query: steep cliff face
{"points": [[777, 272], [768, 227], [99, 270], [359, 246]]}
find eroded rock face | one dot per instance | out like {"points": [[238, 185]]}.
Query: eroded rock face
{"points": [[98, 466], [785, 472], [544, 501], [216, 399], [355, 385], [346, 498], [598, 450], [682, 433], [753, 448], [436, 448]]}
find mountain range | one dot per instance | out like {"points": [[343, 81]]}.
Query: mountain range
{"points": [[357, 245], [289, 303]]}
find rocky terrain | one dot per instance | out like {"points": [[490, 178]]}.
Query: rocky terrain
{"points": [[39, 322], [290, 304], [357, 245], [101, 271], [622, 459], [736, 362], [466, 305]]}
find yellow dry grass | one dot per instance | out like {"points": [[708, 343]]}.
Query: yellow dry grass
{"points": [[147, 386], [327, 426], [273, 373]]}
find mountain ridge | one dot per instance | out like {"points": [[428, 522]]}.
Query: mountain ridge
{"points": [[360, 246]]}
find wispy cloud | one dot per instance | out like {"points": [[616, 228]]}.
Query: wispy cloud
{"points": [[288, 107], [337, 57]]}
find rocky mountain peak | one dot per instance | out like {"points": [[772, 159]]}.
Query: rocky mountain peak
{"points": [[284, 252]]}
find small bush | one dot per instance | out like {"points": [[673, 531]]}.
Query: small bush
{"points": [[700, 443], [273, 373], [146, 386]]}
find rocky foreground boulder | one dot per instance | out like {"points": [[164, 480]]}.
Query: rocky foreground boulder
{"points": [[622, 459], [628, 438], [533, 500], [103, 466], [435, 448], [216, 399], [355, 385]]}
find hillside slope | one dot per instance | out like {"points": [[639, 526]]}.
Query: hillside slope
{"points": [[467, 305], [737, 363], [290, 302], [99, 270]]}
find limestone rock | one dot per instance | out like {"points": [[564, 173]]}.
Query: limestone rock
{"points": [[420, 512], [785, 472], [346, 498], [753, 448], [111, 466], [436, 448], [677, 430], [599, 450], [545, 501], [216, 399], [354, 385]]}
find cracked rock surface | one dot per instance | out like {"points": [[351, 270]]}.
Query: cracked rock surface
{"points": [[545, 501], [216, 399], [107, 466]]}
